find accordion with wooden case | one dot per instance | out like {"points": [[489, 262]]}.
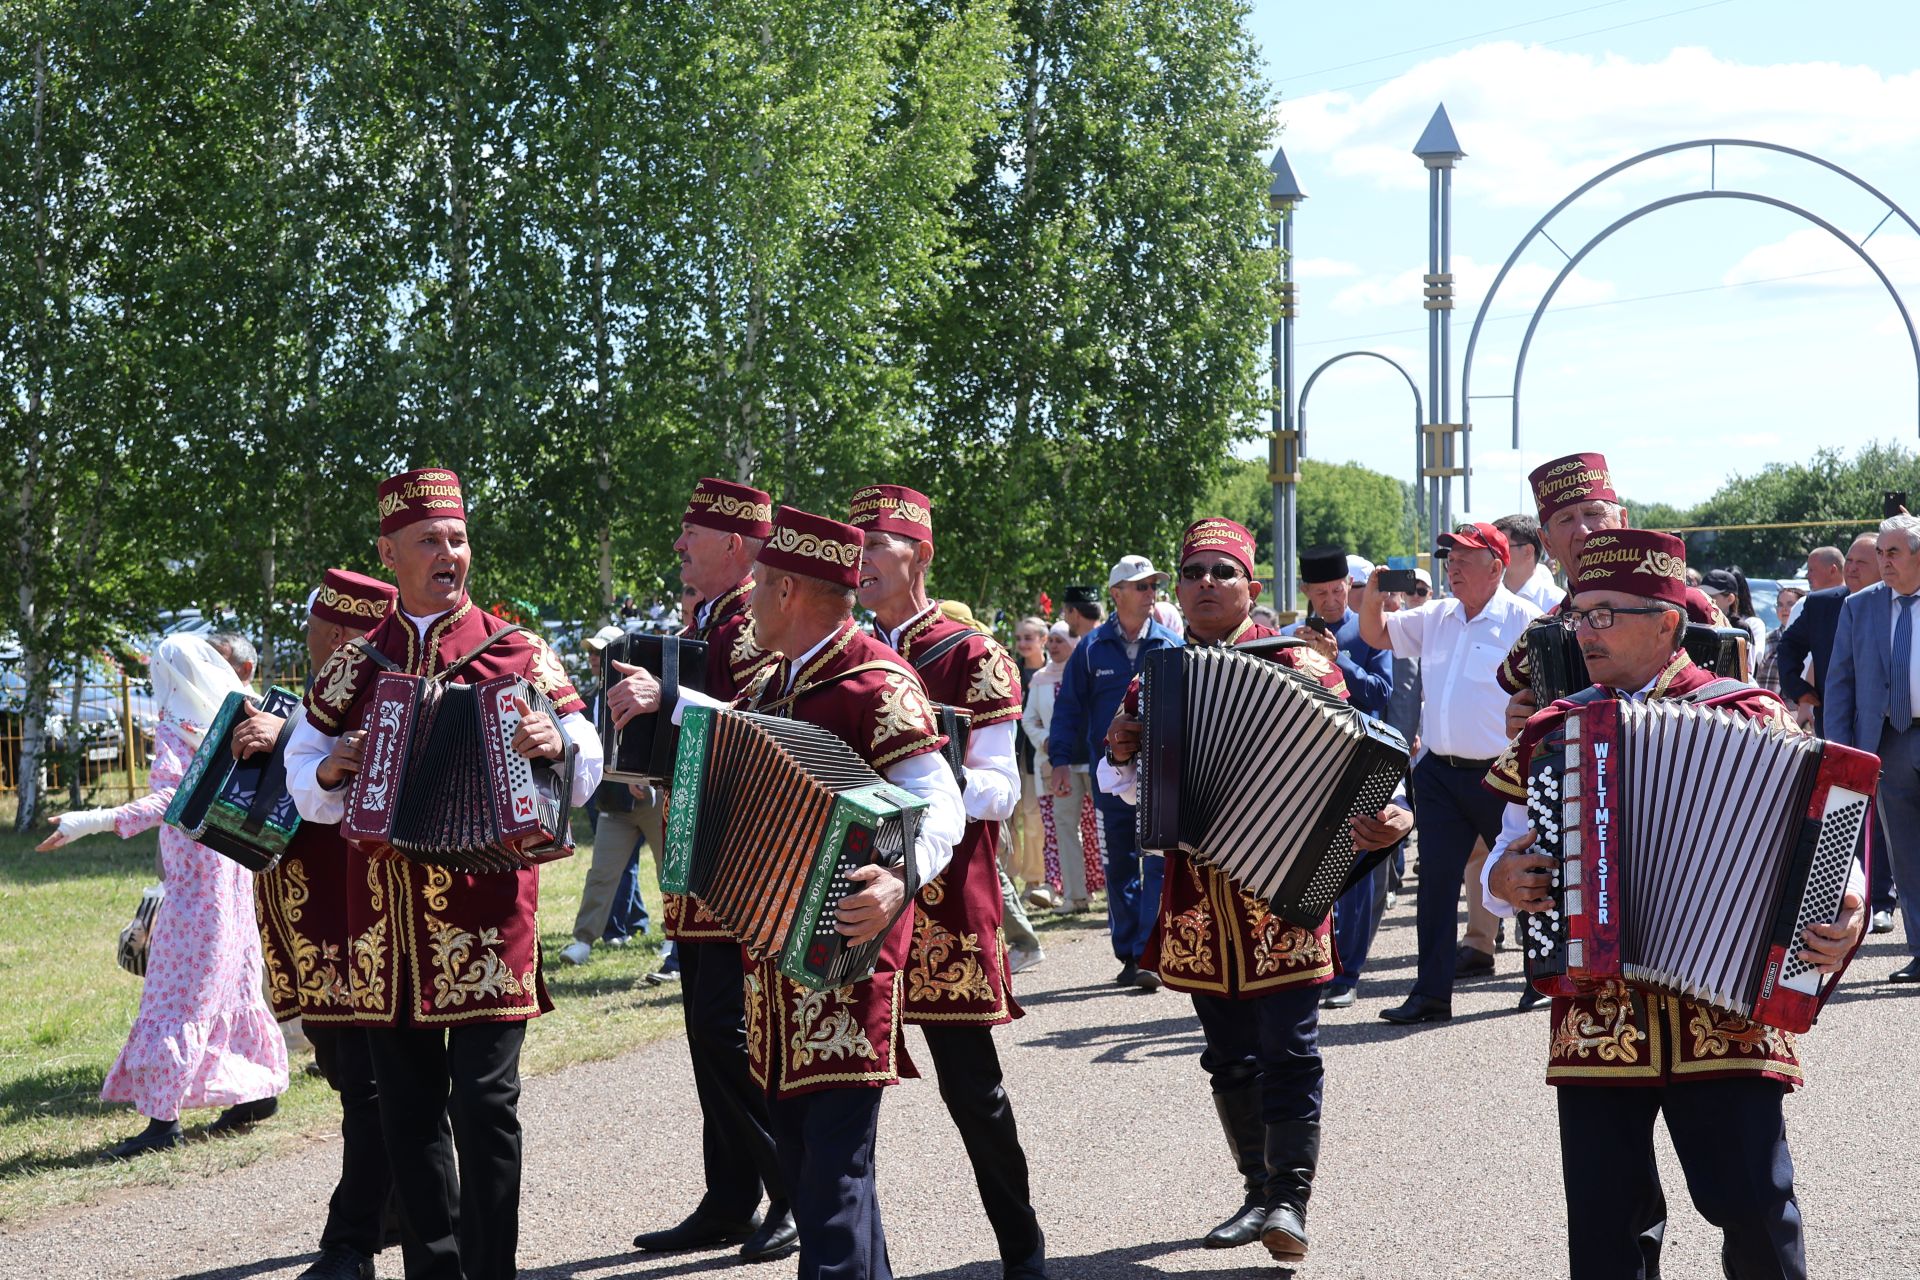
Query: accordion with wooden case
{"points": [[1558, 670], [240, 808], [1256, 769], [440, 781], [643, 749], [769, 817], [1691, 847]]}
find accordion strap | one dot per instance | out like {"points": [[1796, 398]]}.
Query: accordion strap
{"points": [[941, 648], [1718, 689], [781, 702], [380, 659], [273, 782], [479, 649]]}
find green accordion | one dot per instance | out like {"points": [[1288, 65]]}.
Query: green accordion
{"points": [[240, 808]]}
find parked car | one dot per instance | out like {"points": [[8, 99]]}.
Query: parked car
{"points": [[1766, 596]]}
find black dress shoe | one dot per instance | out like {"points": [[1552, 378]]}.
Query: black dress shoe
{"points": [[337, 1262], [701, 1230], [1418, 1009], [1129, 975], [1908, 972], [1532, 998], [1471, 962], [1338, 998], [159, 1135], [1285, 1234], [776, 1238], [1242, 1228], [242, 1116]]}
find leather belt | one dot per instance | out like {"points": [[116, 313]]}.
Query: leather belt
{"points": [[1461, 762]]}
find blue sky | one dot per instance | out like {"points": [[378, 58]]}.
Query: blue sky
{"points": [[1677, 347]]}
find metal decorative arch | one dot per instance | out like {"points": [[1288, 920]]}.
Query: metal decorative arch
{"points": [[1539, 228], [1419, 408]]}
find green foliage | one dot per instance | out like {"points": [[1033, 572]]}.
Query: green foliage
{"points": [[1340, 504]]}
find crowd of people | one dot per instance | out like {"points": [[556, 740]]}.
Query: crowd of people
{"points": [[415, 983]]}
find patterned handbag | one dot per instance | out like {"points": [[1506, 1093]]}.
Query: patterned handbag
{"points": [[134, 939]]}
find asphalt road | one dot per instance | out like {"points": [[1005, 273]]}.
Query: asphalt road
{"points": [[1440, 1158]]}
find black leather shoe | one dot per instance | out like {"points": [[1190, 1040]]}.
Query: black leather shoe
{"points": [[242, 1117], [1418, 1009], [776, 1238], [1242, 1228], [1285, 1234], [1338, 998], [159, 1135], [337, 1262], [700, 1231], [1532, 998], [1129, 975], [1470, 962], [1908, 972]]}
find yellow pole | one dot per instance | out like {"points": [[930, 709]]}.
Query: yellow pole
{"points": [[132, 731]]}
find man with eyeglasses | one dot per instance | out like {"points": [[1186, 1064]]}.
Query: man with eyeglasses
{"points": [[1460, 641], [1620, 1055], [1255, 980], [1096, 678]]}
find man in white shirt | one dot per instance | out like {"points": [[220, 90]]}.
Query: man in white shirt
{"points": [[1528, 576], [1460, 640]]}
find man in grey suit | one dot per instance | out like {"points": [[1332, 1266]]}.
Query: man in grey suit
{"points": [[1872, 701]]}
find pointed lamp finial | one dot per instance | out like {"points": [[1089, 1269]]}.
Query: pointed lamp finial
{"points": [[1437, 146], [1285, 190]]}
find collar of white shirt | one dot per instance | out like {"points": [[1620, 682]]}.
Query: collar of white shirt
{"points": [[893, 636]]}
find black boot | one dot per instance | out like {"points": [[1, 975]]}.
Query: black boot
{"points": [[1293, 1152], [159, 1135], [1240, 1119]]}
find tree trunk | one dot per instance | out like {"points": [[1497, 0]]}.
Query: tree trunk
{"points": [[33, 716], [76, 743]]}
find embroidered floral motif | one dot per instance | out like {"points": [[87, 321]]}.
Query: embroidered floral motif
{"points": [[294, 890], [322, 981], [945, 965], [545, 672], [903, 710], [745, 650], [1186, 944], [439, 880], [1278, 945], [279, 984], [756, 1017], [334, 688], [369, 980], [457, 980], [824, 1033], [994, 679], [1717, 1034], [1606, 1030], [936, 893]]}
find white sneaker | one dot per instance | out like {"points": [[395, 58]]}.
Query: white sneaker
{"points": [[1019, 959], [576, 952]]}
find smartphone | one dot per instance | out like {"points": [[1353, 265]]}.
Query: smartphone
{"points": [[1892, 503], [1398, 580], [1320, 625]]}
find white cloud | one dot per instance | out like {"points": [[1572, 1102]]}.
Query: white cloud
{"points": [[1536, 123], [1811, 259], [1522, 289], [1323, 269]]}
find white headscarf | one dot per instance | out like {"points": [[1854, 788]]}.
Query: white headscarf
{"points": [[190, 681]]}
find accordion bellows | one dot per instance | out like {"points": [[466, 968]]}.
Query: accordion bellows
{"points": [[768, 818], [240, 808], [1693, 847], [440, 781], [1559, 670], [1257, 769]]}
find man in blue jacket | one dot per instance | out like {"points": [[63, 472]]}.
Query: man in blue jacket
{"points": [[1096, 679], [1326, 577]]}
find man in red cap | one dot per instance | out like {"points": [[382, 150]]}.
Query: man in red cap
{"points": [[1575, 498], [444, 967], [1255, 979], [822, 1056], [957, 977], [723, 530], [1622, 1055], [302, 906], [1460, 640]]}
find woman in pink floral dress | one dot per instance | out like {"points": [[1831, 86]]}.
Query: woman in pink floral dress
{"points": [[204, 1036]]}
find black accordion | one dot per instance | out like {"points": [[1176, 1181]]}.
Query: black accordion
{"points": [[957, 724], [1559, 671], [240, 808], [440, 781], [1691, 847], [643, 750], [768, 819], [1256, 769]]}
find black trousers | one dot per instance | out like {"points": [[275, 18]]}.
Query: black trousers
{"points": [[736, 1134], [825, 1145], [357, 1213], [1453, 810], [440, 1087], [968, 1065], [1731, 1138]]}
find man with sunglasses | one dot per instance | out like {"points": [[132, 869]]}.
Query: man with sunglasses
{"points": [[1619, 1055], [1255, 980], [1096, 679]]}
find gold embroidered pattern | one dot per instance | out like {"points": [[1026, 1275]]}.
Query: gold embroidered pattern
{"points": [[756, 1017], [369, 979], [295, 891], [994, 679], [279, 984], [1717, 1034], [439, 880], [809, 546], [1186, 944], [903, 710], [334, 688], [745, 650], [546, 672], [945, 965], [1606, 1031], [351, 605], [823, 1033], [1278, 945], [457, 980]]}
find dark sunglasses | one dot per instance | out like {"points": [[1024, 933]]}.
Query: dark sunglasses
{"points": [[1148, 585], [1421, 591], [1221, 572]]}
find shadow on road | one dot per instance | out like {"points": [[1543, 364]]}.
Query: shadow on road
{"points": [[266, 1266], [633, 1265], [1135, 1262], [1129, 1042]]}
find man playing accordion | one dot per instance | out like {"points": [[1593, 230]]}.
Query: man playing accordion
{"points": [[1255, 980], [1719, 1078]]}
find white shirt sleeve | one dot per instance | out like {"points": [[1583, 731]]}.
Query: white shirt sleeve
{"points": [[1513, 825], [696, 698], [589, 762], [928, 777], [307, 750], [993, 775], [1121, 781], [1407, 629]]}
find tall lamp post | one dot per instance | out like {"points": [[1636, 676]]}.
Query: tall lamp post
{"points": [[1445, 452], [1283, 459]]}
